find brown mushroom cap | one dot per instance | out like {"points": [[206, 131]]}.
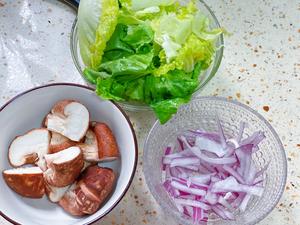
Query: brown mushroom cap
{"points": [[27, 182], [63, 167], [93, 187], [29, 148]]}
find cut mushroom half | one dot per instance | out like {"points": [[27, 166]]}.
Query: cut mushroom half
{"points": [[55, 193], [59, 142], [107, 145], [90, 191], [27, 182], [30, 148], [68, 118], [100, 144], [90, 147], [63, 167]]}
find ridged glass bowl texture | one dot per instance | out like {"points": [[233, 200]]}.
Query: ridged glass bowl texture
{"points": [[201, 113], [205, 76]]}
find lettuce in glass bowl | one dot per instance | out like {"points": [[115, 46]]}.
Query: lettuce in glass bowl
{"points": [[147, 54]]}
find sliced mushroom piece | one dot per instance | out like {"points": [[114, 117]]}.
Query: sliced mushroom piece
{"points": [[94, 186], [27, 182], [68, 118], [63, 167], [69, 201], [97, 182], [59, 142], [100, 144], [30, 148], [107, 145], [55, 193], [90, 147]]}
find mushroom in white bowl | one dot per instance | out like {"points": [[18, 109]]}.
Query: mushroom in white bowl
{"points": [[52, 155]]}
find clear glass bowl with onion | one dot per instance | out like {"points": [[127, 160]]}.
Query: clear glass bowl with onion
{"points": [[204, 113]]}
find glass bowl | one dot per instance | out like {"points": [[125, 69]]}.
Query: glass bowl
{"points": [[201, 113], [205, 75]]}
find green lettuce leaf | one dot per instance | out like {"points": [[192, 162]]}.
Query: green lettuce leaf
{"points": [[92, 75], [200, 27], [97, 20], [129, 68], [142, 4], [194, 50], [164, 94], [110, 89], [165, 109], [138, 35], [129, 53]]}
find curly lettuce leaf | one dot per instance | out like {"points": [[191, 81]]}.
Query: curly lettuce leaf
{"points": [[138, 35], [92, 75], [200, 27], [110, 89], [139, 5], [97, 20], [129, 68], [195, 50], [165, 109], [169, 24], [129, 53]]}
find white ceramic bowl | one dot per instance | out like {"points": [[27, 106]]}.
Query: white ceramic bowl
{"points": [[26, 111]]}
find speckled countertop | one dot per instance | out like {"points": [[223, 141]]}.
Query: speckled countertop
{"points": [[261, 68]]}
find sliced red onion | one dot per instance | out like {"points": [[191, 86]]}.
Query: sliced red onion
{"points": [[172, 191], [180, 143], [194, 203], [205, 167], [174, 172], [188, 183], [234, 173], [234, 142], [236, 203], [215, 179], [258, 180], [230, 196], [225, 203], [210, 146], [211, 198], [201, 179], [188, 196], [186, 189], [249, 178], [231, 184], [220, 161], [168, 151], [188, 210], [254, 139], [211, 173], [185, 161], [190, 167], [219, 212]]}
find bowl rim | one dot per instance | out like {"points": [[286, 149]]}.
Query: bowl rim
{"points": [[215, 65], [132, 132], [239, 104]]}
